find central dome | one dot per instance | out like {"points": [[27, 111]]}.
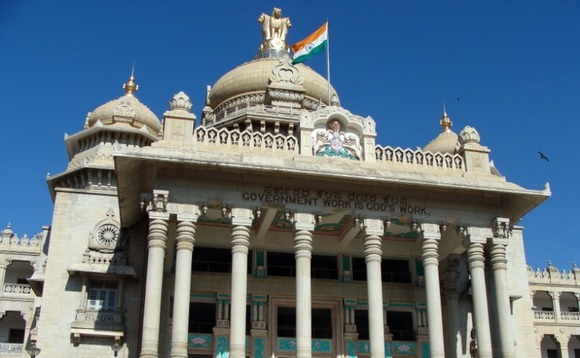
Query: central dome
{"points": [[252, 78]]}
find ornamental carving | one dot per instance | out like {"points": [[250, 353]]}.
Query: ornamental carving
{"points": [[285, 85], [124, 109], [274, 30], [469, 135], [106, 235], [335, 142], [180, 101]]}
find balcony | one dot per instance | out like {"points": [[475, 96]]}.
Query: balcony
{"points": [[544, 315], [18, 290], [100, 323], [567, 318]]}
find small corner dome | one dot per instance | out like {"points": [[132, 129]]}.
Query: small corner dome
{"points": [[447, 141], [125, 111], [252, 78]]}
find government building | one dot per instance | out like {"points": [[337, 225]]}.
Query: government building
{"points": [[272, 224]]}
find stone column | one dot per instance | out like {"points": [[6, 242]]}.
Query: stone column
{"points": [[3, 265], [373, 230], [185, 241], [563, 340], [156, 244], [475, 238], [241, 221], [303, 225], [556, 304], [498, 262], [451, 275], [429, 236]]}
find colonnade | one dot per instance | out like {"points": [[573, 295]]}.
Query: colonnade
{"points": [[304, 223]]}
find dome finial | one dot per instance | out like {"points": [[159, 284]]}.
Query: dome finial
{"points": [[274, 30], [131, 87], [445, 121]]}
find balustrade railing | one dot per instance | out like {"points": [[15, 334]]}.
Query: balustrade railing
{"points": [[544, 315], [100, 316], [570, 316], [6, 348], [419, 159], [17, 289], [246, 139]]}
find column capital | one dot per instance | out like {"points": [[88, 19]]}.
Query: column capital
{"points": [[475, 258], [240, 239], [554, 294], [185, 235], [501, 228], [242, 216], [498, 257], [373, 248], [430, 254], [156, 201], [562, 338], [474, 234], [189, 215], [373, 227], [428, 231], [303, 221], [158, 232]]}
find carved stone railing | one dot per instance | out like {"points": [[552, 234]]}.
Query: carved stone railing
{"points": [[6, 348], [100, 316], [97, 322], [232, 139], [570, 316], [22, 244], [17, 289], [417, 159], [544, 315]]}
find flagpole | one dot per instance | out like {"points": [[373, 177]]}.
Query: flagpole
{"points": [[328, 59]]}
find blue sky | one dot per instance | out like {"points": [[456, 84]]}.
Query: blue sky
{"points": [[511, 69]]}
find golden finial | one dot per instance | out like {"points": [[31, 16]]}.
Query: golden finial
{"points": [[131, 87], [445, 121]]}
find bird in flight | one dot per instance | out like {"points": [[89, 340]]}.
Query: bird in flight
{"points": [[542, 156]]}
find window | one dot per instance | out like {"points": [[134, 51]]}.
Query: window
{"points": [[321, 323], [102, 296], [202, 317], [325, 267], [212, 259], [392, 270], [396, 271], [281, 264], [209, 259], [401, 325], [286, 321], [361, 319], [552, 353], [16, 335]]}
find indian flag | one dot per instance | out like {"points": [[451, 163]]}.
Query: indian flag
{"points": [[312, 45]]}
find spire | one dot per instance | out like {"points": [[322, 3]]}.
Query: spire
{"points": [[131, 87], [445, 121]]}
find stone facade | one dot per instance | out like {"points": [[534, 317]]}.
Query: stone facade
{"points": [[277, 226]]}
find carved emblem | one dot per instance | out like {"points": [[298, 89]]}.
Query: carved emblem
{"points": [[334, 142], [108, 235]]}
